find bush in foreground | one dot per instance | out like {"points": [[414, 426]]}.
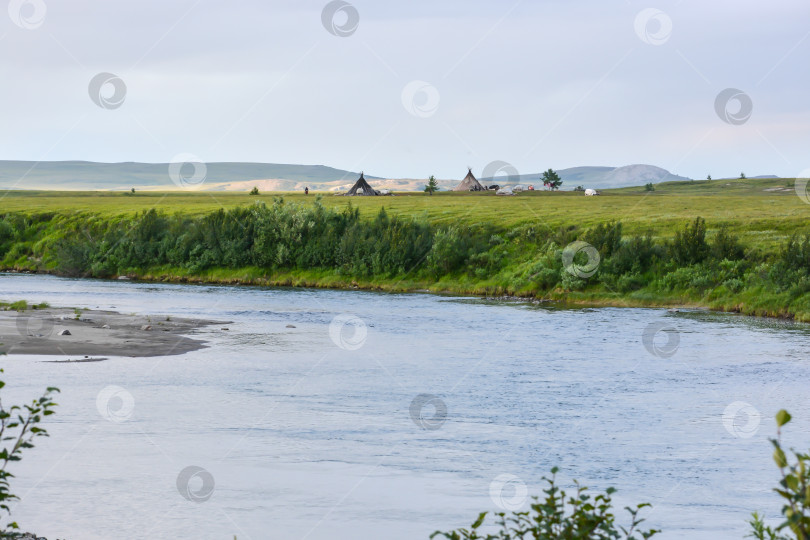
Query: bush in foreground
{"points": [[583, 517], [19, 426], [560, 517], [794, 488]]}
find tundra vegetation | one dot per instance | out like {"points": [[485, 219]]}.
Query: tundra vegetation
{"points": [[276, 242]]}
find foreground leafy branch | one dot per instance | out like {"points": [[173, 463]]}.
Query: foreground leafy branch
{"points": [[19, 426], [560, 517], [794, 488]]}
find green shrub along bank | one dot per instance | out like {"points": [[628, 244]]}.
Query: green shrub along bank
{"points": [[294, 244], [557, 515]]}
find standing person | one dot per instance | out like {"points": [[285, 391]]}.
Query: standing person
{"points": [[306, 190]]}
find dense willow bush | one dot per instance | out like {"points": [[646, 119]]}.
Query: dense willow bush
{"points": [[292, 237], [273, 237]]}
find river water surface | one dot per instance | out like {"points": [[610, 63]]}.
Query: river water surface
{"points": [[319, 431]]}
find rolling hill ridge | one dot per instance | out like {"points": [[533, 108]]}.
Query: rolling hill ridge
{"points": [[239, 176]]}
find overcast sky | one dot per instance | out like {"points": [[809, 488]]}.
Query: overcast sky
{"points": [[537, 84]]}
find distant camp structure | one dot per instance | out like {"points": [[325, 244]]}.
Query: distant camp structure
{"points": [[469, 183], [361, 187]]}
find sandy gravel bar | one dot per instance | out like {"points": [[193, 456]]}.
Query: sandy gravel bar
{"points": [[97, 333]]}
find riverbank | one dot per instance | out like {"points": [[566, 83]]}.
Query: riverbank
{"points": [[753, 303], [703, 264], [80, 335]]}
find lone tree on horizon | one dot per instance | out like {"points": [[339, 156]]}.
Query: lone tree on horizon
{"points": [[432, 185], [552, 180]]}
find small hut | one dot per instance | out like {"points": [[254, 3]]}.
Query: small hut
{"points": [[361, 187], [469, 183]]}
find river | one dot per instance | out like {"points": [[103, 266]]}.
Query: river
{"points": [[346, 414]]}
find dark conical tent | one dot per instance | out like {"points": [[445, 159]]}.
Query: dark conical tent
{"points": [[469, 183], [361, 187]]}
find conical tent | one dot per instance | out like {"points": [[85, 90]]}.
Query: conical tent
{"points": [[361, 187], [469, 183]]}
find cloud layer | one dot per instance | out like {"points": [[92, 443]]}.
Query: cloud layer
{"points": [[410, 88]]}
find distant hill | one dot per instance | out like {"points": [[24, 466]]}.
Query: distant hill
{"points": [[223, 176], [87, 175], [598, 177]]}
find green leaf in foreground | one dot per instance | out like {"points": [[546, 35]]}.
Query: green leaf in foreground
{"points": [[794, 489], [782, 418], [16, 436]]}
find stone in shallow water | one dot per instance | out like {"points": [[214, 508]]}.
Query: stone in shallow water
{"points": [[64, 333], [146, 327]]}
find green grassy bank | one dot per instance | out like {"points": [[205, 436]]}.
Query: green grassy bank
{"points": [[754, 301], [760, 211], [626, 248]]}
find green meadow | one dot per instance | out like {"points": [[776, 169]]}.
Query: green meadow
{"points": [[735, 245], [761, 211]]}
